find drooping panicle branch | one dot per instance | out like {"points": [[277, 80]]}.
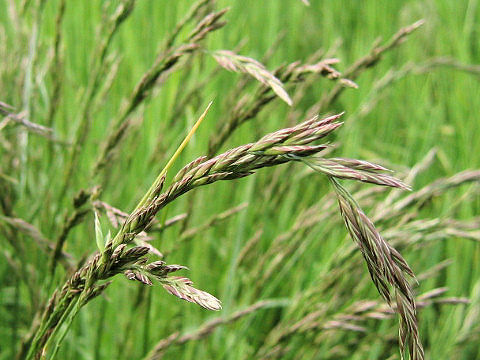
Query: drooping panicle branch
{"points": [[387, 268]]}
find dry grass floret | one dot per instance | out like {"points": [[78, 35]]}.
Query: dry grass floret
{"points": [[234, 62]]}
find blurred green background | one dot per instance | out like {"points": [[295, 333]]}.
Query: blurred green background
{"points": [[414, 113]]}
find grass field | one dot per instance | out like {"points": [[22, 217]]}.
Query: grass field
{"points": [[271, 246]]}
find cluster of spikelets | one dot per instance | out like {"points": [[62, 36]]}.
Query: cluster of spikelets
{"points": [[387, 267]]}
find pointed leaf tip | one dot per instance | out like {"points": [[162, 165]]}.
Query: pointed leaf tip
{"points": [[99, 234]]}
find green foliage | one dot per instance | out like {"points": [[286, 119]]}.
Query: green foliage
{"points": [[292, 283]]}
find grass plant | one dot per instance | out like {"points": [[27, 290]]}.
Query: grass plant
{"points": [[95, 180]]}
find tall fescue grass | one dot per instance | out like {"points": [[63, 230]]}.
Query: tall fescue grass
{"points": [[95, 180]]}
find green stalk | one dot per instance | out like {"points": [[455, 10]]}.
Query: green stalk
{"points": [[46, 323], [64, 330]]}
